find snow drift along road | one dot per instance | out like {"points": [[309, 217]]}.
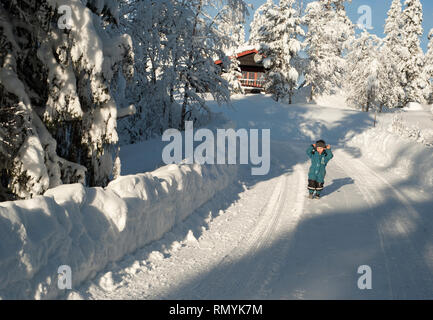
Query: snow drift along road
{"points": [[86, 228]]}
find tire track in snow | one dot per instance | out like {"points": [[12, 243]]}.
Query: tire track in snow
{"points": [[370, 202], [250, 268], [291, 218], [412, 274], [234, 262], [263, 269]]}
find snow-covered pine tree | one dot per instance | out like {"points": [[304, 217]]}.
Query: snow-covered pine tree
{"points": [[279, 43], [395, 52], [413, 56], [55, 84], [391, 91], [258, 21], [363, 72], [370, 75], [328, 31], [13, 130], [428, 71], [24, 171]]}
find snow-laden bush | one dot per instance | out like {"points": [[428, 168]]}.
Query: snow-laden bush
{"points": [[398, 126], [413, 132]]}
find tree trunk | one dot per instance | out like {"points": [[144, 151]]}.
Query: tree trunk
{"points": [[183, 114], [311, 93]]}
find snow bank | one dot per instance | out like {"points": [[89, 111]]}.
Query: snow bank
{"points": [[414, 106], [399, 156], [338, 100], [87, 228]]}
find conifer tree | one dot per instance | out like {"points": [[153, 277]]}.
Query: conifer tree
{"points": [[413, 56], [279, 43], [55, 79], [328, 31], [395, 51]]}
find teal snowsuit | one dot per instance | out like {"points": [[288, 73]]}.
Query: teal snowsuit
{"points": [[318, 163]]}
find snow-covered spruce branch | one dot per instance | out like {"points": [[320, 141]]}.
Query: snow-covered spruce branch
{"points": [[58, 84]]}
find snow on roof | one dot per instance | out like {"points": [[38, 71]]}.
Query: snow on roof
{"points": [[240, 52], [243, 48]]}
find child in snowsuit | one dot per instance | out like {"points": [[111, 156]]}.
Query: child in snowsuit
{"points": [[320, 154]]}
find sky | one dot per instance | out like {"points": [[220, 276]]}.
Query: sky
{"points": [[379, 9]]}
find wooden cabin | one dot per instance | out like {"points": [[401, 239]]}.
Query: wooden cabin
{"points": [[253, 71]]}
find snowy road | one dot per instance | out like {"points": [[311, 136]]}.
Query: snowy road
{"points": [[264, 239]]}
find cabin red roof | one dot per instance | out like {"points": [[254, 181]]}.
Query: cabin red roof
{"points": [[244, 53]]}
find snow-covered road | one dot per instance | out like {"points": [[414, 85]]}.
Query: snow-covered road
{"points": [[264, 239]]}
